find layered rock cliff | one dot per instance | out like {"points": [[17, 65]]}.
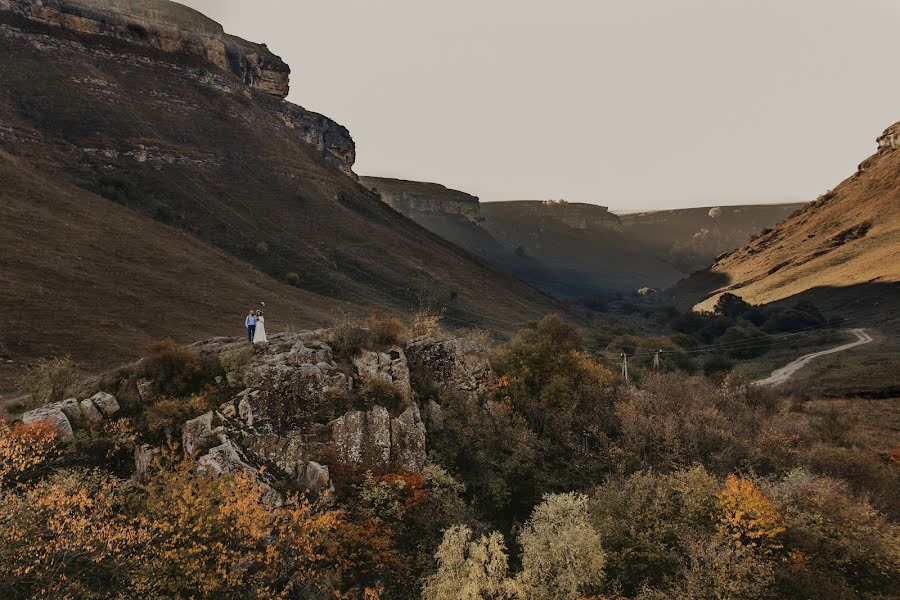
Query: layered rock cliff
{"points": [[179, 32], [418, 198]]}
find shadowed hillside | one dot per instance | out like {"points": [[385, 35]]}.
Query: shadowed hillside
{"points": [[692, 238]]}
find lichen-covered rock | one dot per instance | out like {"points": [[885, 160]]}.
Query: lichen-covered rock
{"points": [[55, 417], [390, 367], [456, 366], [317, 480], [408, 440], [144, 456], [106, 403], [202, 432], [71, 408], [145, 391], [90, 414], [363, 438]]}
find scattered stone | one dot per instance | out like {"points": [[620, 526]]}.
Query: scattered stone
{"points": [[90, 415], [145, 391], [144, 456], [106, 403], [71, 408]]}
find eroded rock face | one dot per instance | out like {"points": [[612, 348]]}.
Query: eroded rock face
{"points": [[363, 438], [239, 66], [390, 367], [456, 366], [165, 26]]}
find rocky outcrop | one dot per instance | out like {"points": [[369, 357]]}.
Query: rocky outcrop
{"points": [[390, 367], [454, 367], [67, 415], [417, 198], [165, 26], [191, 39]]}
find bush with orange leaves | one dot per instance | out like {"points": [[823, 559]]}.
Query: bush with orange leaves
{"points": [[748, 517], [26, 450], [215, 536], [69, 536], [88, 534]]}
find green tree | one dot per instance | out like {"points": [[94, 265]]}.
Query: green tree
{"points": [[562, 557]]}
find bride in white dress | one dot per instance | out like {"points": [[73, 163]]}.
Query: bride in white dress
{"points": [[259, 337]]}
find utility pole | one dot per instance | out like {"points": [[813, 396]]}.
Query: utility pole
{"points": [[625, 366], [656, 361]]}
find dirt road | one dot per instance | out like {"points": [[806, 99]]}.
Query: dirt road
{"points": [[781, 375]]}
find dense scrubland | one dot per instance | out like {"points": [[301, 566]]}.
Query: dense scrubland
{"points": [[564, 481]]}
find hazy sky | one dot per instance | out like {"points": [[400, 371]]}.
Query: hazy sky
{"points": [[633, 104]]}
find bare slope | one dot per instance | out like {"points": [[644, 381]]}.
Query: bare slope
{"points": [[847, 240], [211, 148], [82, 275]]}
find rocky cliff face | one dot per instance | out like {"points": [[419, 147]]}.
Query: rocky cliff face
{"points": [[418, 198], [179, 32], [298, 411]]}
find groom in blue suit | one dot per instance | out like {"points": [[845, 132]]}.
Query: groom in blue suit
{"points": [[250, 322]]}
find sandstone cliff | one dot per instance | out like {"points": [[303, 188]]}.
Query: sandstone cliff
{"points": [[419, 198]]}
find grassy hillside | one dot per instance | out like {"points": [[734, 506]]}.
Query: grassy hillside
{"points": [[842, 248]]}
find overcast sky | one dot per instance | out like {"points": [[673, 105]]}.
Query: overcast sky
{"points": [[634, 104]]}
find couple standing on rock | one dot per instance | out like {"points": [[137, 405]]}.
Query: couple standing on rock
{"points": [[256, 327]]}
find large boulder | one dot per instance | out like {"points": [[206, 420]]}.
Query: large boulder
{"points": [[55, 417], [455, 367], [90, 414], [105, 403]]}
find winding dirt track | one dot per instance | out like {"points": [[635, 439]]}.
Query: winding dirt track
{"points": [[781, 375]]}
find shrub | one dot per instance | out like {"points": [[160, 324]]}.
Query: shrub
{"points": [[27, 450], [469, 569], [387, 330], [174, 370], [562, 555], [375, 391], [664, 513], [292, 278], [748, 518], [427, 322], [347, 337], [746, 341], [49, 378], [716, 364], [262, 248]]}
